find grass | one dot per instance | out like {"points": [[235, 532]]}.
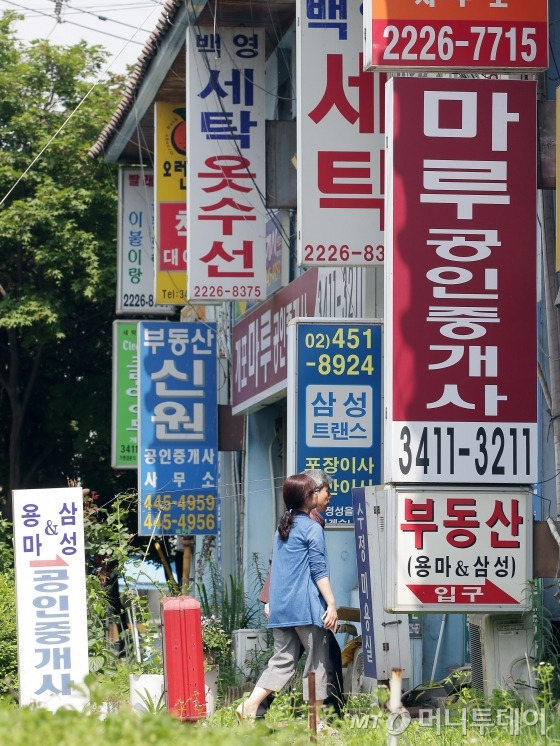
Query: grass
{"points": [[366, 722]]}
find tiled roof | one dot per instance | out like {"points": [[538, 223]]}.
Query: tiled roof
{"points": [[134, 82]]}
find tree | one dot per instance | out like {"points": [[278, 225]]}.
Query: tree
{"points": [[58, 213]]}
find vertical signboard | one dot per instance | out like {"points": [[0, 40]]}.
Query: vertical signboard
{"points": [[365, 594], [334, 405], [171, 203], [135, 268], [226, 173], [385, 636], [474, 35], [178, 442], [51, 597], [461, 281], [124, 430], [274, 242], [469, 550], [557, 177], [341, 141]]}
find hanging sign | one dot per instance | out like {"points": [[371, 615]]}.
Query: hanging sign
{"points": [[341, 140], [459, 550], [460, 294], [334, 405], [488, 35], [226, 164], [135, 268], [178, 444]]}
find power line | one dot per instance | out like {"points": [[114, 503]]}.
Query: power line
{"points": [[79, 25], [105, 18]]}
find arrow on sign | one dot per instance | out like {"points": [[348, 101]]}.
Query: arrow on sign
{"points": [[487, 593], [48, 563]]}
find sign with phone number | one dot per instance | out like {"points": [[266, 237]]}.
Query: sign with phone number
{"points": [[334, 405], [178, 439], [495, 453], [475, 35], [187, 514]]}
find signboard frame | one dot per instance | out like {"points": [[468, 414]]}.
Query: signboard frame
{"points": [[403, 35], [124, 396], [136, 249], [414, 536], [178, 465], [51, 603], [335, 405], [226, 213], [340, 141], [461, 401]]}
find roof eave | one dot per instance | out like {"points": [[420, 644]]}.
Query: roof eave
{"points": [[120, 130]]}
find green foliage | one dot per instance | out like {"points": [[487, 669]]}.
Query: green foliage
{"points": [[215, 639], [8, 635], [6, 549], [58, 230], [226, 601], [109, 547]]}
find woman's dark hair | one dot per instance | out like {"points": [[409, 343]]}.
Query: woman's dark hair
{"points": [[296, 491]]}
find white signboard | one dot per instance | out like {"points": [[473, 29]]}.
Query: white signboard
{"points": [[51, 597], [135, 278], [226, 214], [459, 550], [341, 141]]}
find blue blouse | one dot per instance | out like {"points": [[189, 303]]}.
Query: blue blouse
{"points": [[297, 564]]}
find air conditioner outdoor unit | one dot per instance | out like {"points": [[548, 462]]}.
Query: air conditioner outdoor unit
{"points": [[247, 644], [359, 683], [503, 653]]}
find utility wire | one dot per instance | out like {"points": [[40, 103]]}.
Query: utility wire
{"points": [[73, 23], [63, 125]]}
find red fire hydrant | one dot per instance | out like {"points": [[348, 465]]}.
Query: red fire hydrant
{"points": [[183, 662]]}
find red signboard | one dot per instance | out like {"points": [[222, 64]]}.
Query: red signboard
{"points": [[461, 281], [172, 237], [466, 34]]}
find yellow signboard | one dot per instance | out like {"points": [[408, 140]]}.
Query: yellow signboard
{"points": [[170, 214]]}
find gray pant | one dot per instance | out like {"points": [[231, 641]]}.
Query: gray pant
{"points": [[282, 665]]}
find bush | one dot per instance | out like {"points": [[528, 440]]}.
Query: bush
{"points": [[8, 636]]}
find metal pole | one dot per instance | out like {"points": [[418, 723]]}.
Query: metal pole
{"points": [[312, 707], [395, 705]]}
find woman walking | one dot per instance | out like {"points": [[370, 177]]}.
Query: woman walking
{"points": [[302, 604]]}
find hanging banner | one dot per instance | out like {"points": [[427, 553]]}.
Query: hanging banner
{"points": [[171, 202], [459, 550], [334, 406], [226, 164], [51, 598], [507, 35], [460, 295], [124, 421], [135, 268], [341, 140], [178, 442]]}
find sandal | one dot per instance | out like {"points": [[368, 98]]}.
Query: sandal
{"points": [[242, 716]]}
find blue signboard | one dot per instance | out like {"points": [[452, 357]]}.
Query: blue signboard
{"points": [[178, 431], [337, 398], [364, 581]]}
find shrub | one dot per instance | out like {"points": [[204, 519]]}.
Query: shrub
{"points": [[8, 636]]}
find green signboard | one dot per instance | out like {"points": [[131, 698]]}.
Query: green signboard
{"points": [[124, 431]]}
